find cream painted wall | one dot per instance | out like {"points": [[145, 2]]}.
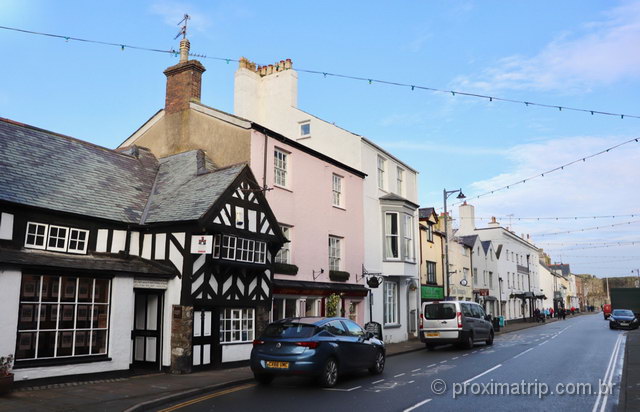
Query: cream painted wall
{"points": [[9, 307]]}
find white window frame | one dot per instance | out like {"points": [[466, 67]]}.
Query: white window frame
{"points": [[281, 167], [335, 253], [302, 125], [45, 237], [57, 237], [240, 321], [391, 302], [77, 232], [400, 181], [58, 329], [217, 245], [284, 254], [382, 166], [229, 251], [391, 237], [407, 238], [245, 250], [260, 255], [336, 188]]}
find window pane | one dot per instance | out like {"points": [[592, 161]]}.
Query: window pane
{"points": [[65, 344], [102, 291], [83, 317], [100, 316], [28, 319], [67, 317], [50, 287], [26, 345], [82, 342], [85, 289], [99, 342], [46, 344], [48, 316], [30, 290], [68, 289]]}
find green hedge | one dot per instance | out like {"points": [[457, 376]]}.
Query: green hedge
{"points": [[285, 269]]}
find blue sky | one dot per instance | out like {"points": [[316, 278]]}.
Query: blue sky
{"points": [[569, 53]]}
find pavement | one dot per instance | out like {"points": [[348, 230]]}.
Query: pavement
{"points": [[630, 397], [132, 393]]}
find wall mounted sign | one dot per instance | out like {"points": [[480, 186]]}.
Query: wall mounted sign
{"points": [[432, 292], [201, 244], [150, 284]]}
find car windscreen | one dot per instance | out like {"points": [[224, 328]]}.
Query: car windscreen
{"points": [[440, 311], [289, 330], [622, 312]]}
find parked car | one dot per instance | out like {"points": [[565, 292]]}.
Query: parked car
{"points": [[457, 322], [623, 319], [318, 347], [606, 310]]}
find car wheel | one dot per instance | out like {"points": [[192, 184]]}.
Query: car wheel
{"points": [[378, 366], [329, 375], [489, 341], [263, 378], [468, 342], [430, 346], [611, 326]]}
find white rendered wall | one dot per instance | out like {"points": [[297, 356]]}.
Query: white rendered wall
{"points": [[236, 352], [9, 307]]}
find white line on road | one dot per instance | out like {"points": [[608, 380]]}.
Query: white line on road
{"points": [[482, 374], [540, 344], [373, 383], [466, 354], [416, 370], [455, 358], [608, 375], [417, 405], [431, 366], [522, 353], [398, 375], [443, 361], [342, 390], [474, 351], [411, 381]]}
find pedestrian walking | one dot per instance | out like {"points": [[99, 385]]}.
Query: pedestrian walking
{"points": [[563, 313], [551, 311]]}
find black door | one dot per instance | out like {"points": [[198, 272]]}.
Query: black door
{"points": [[147, 324], [206, 349]]}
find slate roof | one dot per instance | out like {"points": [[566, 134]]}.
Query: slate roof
{"points": [[51, 171], [394, 197], [564, 268], [185, 192], [48, 170], [469, 240], [97, 262], [426, 212], [486, 244]]}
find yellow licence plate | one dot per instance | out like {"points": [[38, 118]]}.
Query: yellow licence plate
{"points": [[277, 365], [433, 334]]}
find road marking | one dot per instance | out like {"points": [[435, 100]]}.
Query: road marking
{"points": [[443, 361], [474, 351], [411, 381], [455, 358], [608, 375], [416, 370], [540, 344], [398, 375], [466, 354], [373, 383], [431, 366], [482, 374], [204, 398], [342, 390], [417, 405], [522, 353]]}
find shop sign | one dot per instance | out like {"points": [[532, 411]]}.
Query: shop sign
{"points": [[432, 292], [202, 244]]}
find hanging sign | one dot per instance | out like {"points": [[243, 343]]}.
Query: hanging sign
{"points": [[201, 244]]}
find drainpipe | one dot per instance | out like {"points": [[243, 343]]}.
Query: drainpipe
{"points": [[264, 164]]}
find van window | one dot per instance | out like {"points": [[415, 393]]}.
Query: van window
{"points": [[466, 310], [440, 311], [478, 312]]}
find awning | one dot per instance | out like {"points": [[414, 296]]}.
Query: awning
{"points": [[299, 287], [490, 298], [98, 263], [524, 296]]}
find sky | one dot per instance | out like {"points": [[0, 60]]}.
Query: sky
{"points": [[581, 54]]}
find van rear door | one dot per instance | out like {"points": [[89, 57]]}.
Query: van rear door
{"points": [[440, 315]]}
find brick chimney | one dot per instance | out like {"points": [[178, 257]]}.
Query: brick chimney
{"points": [[184, 81]]}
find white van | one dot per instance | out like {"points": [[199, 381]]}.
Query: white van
{"points": [[458, 322]]}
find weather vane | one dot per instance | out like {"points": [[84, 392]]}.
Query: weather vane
{"points": [[183, 29]]}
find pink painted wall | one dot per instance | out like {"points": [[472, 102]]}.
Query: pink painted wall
{"points": [[307, 206]]}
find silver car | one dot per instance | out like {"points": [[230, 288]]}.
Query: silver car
{"points": [[458, 322]]}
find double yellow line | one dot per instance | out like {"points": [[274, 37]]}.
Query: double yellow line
{"points": [[210, 396]]}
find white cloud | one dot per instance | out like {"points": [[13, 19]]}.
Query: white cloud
{"points": [[604, 185], [600, 53]]}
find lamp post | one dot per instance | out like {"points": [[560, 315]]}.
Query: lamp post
{"points": [[445, 195], [638, 272]]}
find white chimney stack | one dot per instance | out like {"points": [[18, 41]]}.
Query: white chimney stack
{"points": [[467, 219]]}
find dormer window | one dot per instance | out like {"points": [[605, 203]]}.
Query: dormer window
{"points": [[305, 129], [56, 238]]}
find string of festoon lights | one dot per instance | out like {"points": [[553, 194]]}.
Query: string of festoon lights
{"points": [[325, 74], [550, 217], [586, 229]]}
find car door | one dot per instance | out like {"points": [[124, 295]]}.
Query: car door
{"points": [[361, 350], [469, 324], [343, 343], [483, 325]]}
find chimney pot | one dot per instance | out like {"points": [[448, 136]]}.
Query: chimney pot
{"points": [[184, 81]]}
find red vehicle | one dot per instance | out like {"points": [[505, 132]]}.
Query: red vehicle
{"points": [[606, 310]]}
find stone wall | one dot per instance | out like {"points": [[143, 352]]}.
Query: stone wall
{"points": [[181, 332]]}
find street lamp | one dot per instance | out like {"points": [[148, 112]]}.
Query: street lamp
{"points": [[638, 272], [445, 194]]}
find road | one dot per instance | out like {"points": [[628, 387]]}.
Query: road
{"points": [[550, 367]]}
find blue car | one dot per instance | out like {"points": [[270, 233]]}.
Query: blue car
{"points": [[317, 347]]}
